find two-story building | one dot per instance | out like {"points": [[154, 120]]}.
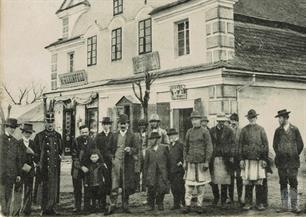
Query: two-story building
{"points": [[214, 56]]}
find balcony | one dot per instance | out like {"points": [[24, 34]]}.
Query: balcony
{"points": [[73, 79]]}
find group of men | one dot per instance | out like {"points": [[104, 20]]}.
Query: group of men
{"points": [[153, 160]]}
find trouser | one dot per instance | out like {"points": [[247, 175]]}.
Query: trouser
{"points": [[27, 199], [288, 176], [215, 189], [189, 194], [77, 191], [239, 186], [178, 190], [114, 198], [155, 197], [91, 197], [260, 194]]}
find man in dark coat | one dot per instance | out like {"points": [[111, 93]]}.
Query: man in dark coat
{"points": [[28, 168], [79, 147], [123, 170], [288, 145], [48, 146], [156, 167], [176, 172], [222, 138], [10, 164], [105, 141], [254, 157]]}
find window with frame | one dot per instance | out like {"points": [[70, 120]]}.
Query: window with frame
{"points": [[92, 51], [116, 44], [71, 61], [117, 7], [53, 84], [54, 63], [65, 27], [145, 36], [183, 38]]}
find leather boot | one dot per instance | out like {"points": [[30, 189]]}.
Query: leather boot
{"points": [[284, 199], [294, 201]]}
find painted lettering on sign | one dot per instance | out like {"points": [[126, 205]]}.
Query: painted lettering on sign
{"points": [[178, 92]]}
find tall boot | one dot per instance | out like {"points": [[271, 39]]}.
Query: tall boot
{"points": [[294, 201], [284, 199]]}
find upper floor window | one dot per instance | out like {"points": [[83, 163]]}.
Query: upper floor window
{"points": [[117, 7], [116, 44], [65, 27], [145, 36], [183, 38], [92, 51], [71, 61], [54, 63]]}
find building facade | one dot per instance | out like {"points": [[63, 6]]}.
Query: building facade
{"points": [[213, 56]]}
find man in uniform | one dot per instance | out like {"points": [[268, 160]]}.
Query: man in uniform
{"points": [[10, 164], [79, 147], [254, 153], [48, 146], [288, 145], [155, 126], [123, 171]]}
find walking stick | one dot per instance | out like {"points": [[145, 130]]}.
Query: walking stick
{"points": [[12, 201]]}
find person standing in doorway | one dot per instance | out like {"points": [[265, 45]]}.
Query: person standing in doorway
{"points": [[288, 145]]}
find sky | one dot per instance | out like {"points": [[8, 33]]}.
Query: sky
{"points": [[27, 26]]}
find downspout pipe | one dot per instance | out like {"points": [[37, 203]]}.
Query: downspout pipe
{"points": [[239, 89]]}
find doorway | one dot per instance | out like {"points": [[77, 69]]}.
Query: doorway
{"points": [[181, 121]]}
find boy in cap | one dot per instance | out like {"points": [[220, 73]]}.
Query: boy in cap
{"points": [[156, 167], [10, 164], [28, 169], [254, 151], [176, 169], [197, 155], [288, 145]]}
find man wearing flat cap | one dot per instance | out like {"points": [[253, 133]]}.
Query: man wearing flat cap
{"points": [[288, 145], [123, 170], [28, 167], [48, 147], [254, 152], [10, 165], [105, 141]]}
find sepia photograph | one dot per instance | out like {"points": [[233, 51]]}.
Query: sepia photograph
{"points": [[152, 108]]}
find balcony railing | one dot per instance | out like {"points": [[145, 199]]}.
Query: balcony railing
{"points": [[72, 79]]}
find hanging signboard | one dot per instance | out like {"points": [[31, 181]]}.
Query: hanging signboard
{"points": [[146, 62], [178, 92]]}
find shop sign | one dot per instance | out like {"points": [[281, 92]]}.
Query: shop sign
{"points": [[146, 62], [178, 92]]}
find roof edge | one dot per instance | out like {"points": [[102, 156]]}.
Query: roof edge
{"points": [[62, 41], [86, 3]]}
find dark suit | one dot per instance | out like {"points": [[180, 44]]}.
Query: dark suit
{"points": [[156, 168], [78, 149], [177, 173], [27, 178], [10, 164]]}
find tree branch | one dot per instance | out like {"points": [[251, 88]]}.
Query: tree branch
{"points": [[9, 94], [135, 93]]}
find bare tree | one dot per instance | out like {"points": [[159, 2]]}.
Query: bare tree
{"points": [[144, 95], [35, 94]]}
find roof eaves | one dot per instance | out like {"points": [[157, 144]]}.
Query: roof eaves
{"points": [[168, 6], [62, 41], [86, 3]]}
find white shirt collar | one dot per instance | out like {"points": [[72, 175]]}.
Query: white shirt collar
{"points": [[286, 126], [106, 132], [26, 141], [123, 132]]}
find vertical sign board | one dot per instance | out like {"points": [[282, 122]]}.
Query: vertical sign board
{"points": [[146, 62]]}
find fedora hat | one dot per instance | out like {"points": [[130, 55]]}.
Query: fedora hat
{"points": [[106, 120], [195, 114], [50, 117], [123, 118], [252, 114], [11, 122], [282, 113], [154, 135], [204, 119], [221, 117], [172, 131], [27, 127]]}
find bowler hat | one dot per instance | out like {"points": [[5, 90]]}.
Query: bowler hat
{"points": [[221, 117], [172, 131], [195, 114], [142, 122], [50, 117], [123, 118], [205, 119], [154, 135], [234, 117], [154, 117], [11, 122], [282, 113], [252, 114], [27, 127], [106, 120]]}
